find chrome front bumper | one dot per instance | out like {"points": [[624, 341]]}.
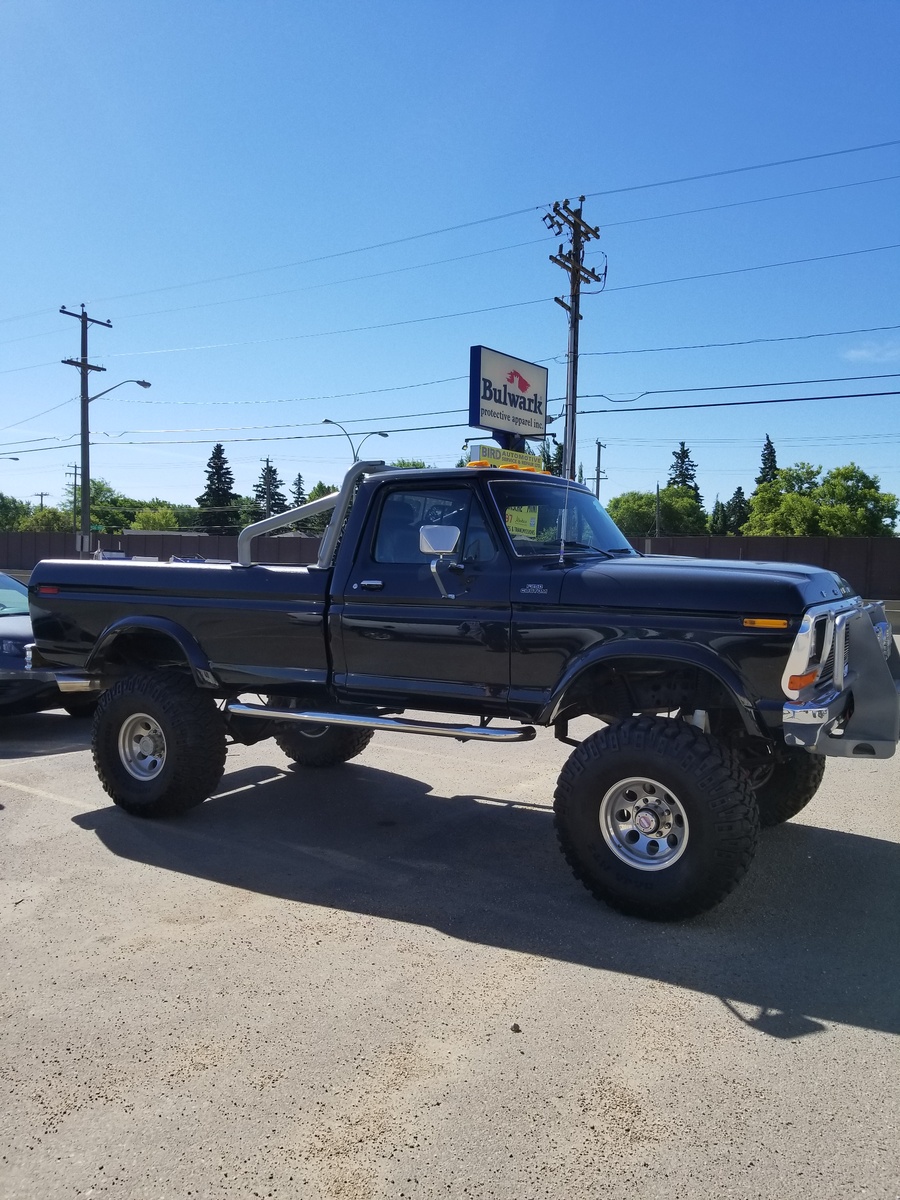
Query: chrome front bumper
{"points": [[861, 719]]}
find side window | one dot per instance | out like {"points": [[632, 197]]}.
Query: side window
{"points": [[406, 510], [479, 546]]}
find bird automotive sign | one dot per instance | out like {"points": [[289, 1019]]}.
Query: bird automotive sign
{"points": [[507, 393]]}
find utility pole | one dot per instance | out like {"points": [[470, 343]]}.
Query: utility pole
{"points": [[85, 368], [268, 489], [599, 473], [42, 495], [561, 217], [73, 471]]}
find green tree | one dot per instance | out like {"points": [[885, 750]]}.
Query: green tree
{"points": [[680, 514], [12, 511], [683, 472], [552, 459], [46, 520], [317, 525], [410, 463], [718, 519], [111, 511], [155, 519], [219, 499], [298, 492], [768, 467], [847, 502], [737, 510], [267, 493]]}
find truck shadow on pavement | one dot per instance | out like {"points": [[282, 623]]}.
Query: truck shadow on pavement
{"points": [[809, 937]]}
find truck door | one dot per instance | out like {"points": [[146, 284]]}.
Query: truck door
{"points": [[393, 633]]}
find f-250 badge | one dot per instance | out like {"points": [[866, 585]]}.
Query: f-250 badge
{"points": [[533, 589]]}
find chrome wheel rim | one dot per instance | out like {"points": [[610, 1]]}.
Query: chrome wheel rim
{"points": [[142, 747], [644, 824]]}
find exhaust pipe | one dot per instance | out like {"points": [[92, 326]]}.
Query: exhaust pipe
{"points": [[463, 733]]}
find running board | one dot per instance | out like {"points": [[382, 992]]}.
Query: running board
{"points": [[465, 733]]}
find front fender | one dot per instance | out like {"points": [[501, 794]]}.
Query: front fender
{"points": [[186, 643], [632, 650]]}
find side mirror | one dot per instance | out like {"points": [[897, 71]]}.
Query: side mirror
{"points": [[439, 541]]}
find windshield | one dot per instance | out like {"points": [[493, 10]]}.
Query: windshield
{"points": [[537, 516], [13, 597]]}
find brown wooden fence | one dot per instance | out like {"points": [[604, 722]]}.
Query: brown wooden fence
{"points": [[20, 551], [872, 565]]}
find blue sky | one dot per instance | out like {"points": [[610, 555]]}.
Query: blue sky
{"points": [[240, 188]]}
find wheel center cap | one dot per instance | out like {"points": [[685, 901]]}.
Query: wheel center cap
{"points": [[646, 821], [147, 745]]}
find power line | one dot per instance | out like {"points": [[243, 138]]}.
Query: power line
{"points": [[784, 162], [725, 387], [463, 257], [796, 337], [500, 307], [383, 417], [480, 221], [740, 403], [464, 425], [790, 262]]}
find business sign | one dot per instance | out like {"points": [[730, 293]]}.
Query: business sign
{"points": [[486, 452], [507, 393]]}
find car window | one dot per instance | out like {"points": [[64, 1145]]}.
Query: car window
{"points": [[13, 597], [406, 510], [537, 517]]}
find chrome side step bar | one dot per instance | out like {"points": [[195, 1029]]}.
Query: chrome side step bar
{"points": [[465, 733]]}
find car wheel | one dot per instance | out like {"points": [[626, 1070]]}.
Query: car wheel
{"points": [[656, 818], [158, 744]]}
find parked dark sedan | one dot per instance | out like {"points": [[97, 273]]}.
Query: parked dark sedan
{"points": [[20, 690]]}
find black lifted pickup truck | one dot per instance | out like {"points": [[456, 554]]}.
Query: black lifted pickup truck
{"points": [[493, 594]]}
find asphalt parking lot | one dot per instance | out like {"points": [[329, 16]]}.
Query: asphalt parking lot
{"points": [[381, 981]]}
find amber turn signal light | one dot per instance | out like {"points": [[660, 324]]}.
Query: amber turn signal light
{"points": [[765, 623], [798, 682]]}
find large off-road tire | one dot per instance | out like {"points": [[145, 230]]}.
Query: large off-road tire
{"points": [[322, 745], [80, 706], [158, 744], [784, 782], [656, 818]]}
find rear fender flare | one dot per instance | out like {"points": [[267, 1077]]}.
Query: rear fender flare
{"points": [[188, 646], [700, 657]]}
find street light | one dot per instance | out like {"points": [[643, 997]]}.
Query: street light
{"points": [[355, 449], [86, 460]]}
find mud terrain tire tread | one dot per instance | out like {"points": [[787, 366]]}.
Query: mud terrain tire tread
{"points": [[334, 745], [795, 779], [195, 744], [712, 788]]}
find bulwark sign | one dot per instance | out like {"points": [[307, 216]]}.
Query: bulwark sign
{"points": [[507, 393]]}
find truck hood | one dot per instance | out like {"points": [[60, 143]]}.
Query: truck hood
{"points": [[701, 585]]}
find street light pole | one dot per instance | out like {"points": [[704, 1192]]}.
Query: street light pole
{"points": [[86, 458], [354, 449]]}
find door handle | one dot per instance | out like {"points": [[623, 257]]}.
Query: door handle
{"points": [[371, 585]]}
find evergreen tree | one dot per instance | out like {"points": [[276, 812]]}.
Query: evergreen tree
{"points": [[768, 466], [683, 472], [718, 519], [552, 460], [298, 492], [737, 512], [267, 493], [219, 498]]}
